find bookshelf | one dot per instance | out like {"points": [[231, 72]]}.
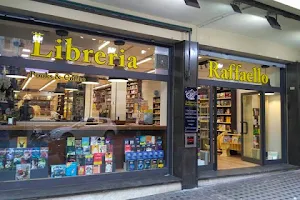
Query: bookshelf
{"points": [[132, 97], [102, 99], [156, 110]]}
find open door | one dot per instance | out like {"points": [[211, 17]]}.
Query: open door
{"points": [[251, 127]]}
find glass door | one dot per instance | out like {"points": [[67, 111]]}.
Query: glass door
{"points": [[251, 127]]}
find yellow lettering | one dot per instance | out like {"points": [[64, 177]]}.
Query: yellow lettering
{"points": [[249, 77], [224, 74], [86, 55], [230, 70], [264, 79], [58, 48], [70, 49], [237, 72], [254, 75], [98, 55], [37, 51], [213, 70], [122, 58], [258, 75], [243, 76], [132, 60], [111, 57]]}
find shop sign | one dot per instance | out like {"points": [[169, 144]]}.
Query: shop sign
{"points": [[190, 110], [235, 73], [57, 76], [73, 54]]}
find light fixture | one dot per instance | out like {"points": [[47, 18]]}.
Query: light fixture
{"points": [[37, 37], [291, 3], [151, 71], [16, 72], [26, 83], [42, 88], [60, 90], [93, 39], [199, 57], [144, 60], [26, 50], [143, 51], [71, 86], [269, 93], [36, 70], [102, 86], [235, 7], [81, 37], [273, 22], [89, 80], [25, 55], [117, 80], [16, 91], [52, 59], [193, 3], [220, 65], [103, 45], [111, 50]]}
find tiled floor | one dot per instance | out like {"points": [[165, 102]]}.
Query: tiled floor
{"points": [[233, 162]]}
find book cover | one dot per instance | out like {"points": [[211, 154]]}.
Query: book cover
{"points": [[10, 153], [98, 158], [133, 147], [77, 143], [35, 152], [140, 165], [108, 141], [160, 154], [9, 165], [126, 142], [102, 141], [58, 171], [108, 167], [71, 169], [42, 163], [89, 159], [44, 152], [131, 165], [159, 143], [147, 164], [145, 155], [153, 164], [88, 169], [128, 156], [137, 140], [18, 157], [94, 148], [71, 158], [140, 155], [138, 148], [86, 150], [150, 154], [102, 148], [131, 141], [27, 156], [153, 141], [155, 154], [2, 164], [85, 141], [95, 140], [22, 172], [34, 163], [78, 151], [22, 142], [80, 159], [71, 141], [134, 156], [127, 148], [160, 163], [96, 169], [108, 156], [81, 170], [148, 139], [2, 153], [71, 150]]}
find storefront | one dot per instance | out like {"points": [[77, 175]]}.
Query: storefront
{"points": [[242, 111]]}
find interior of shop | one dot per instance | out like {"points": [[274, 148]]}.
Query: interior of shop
{"points": [[235, 108]]}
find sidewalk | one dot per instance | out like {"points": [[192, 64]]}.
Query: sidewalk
{"points": [[271, 186]]}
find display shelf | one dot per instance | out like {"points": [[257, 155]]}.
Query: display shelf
{"points": [[156, 110], [133, 91]]}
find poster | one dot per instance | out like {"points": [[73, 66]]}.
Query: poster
{"points": [[190, 110]]}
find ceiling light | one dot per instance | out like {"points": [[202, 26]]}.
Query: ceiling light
{"points": [[144, 60], [37, 37], [42, 88], [117, 80], [236, 8], [81, 37], [220, 65], [143, 51], [193, 3], [52, 59], [269, 93], [102, 86], [90, 80], [16, 91], [26, 83], [199, 57], [93, 39], [151, 71], [273, 22], [291, 3], [26, 50], [111, 50], [24, 55], [36, 70], [16, 76], [103, 45]]}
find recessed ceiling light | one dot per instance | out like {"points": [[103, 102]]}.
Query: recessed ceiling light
{"points": [[24, 55], [81, 37], [111, 50], [26, 50], [94, 39], [220, 65], [143, 51]]}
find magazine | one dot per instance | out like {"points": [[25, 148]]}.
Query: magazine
{"points": [[22, 172]]}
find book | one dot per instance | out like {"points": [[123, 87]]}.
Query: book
{"points": [[139, 155], [159, 143], [150, 154], [80, 159], [71, 169], [89, 159], [22, 142], [35, 152], [44, 152], [34, 163], [58, 171], [160, 163], [71, 150], [137, 140], [128, 156], [108, 167], [71, 158], [134, 156], [18, 156], [102, 141], [145, 155], [153, 164], [77, 143], [96, 169], [27, 156], [149, 139], [22, 172], [2, 153], [140, 165], [42, 163], [98, 158], [86, 150], [94, 148], [131, 141], [9, 165], [78, 151], [127, 148], [10, 154], [95, 140], [102, 148], [147, 164], [131, 165], [160, 154], [85, 141], [108, 156], [2, 164], [142, 140], [108, 141], [71, 141], [88, 169], [81, 170], [155, 154]]}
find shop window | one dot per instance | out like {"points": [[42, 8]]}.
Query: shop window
{"points": [[56, 124]]}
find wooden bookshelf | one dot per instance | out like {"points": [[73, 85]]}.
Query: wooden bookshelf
{"points": [[133, 94], [156, 110]]}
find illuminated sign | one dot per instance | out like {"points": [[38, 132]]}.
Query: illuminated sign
{"points": [[57, 76], [73, 54], [235, 73]]}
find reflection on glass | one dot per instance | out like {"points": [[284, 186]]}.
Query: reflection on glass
{"points": [[203, 135]]}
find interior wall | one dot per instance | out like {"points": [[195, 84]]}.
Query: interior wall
{"points": [[148, 88]]}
